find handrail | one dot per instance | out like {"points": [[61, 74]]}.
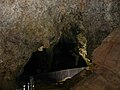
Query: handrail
{"points": [[56, 76]]}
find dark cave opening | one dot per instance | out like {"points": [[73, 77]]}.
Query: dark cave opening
{"points": [[37, 63], [65, 56]]}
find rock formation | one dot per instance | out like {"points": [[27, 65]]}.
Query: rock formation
{"points": [[29, 24], [106, 75]]}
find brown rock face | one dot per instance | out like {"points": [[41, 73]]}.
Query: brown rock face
{"points": [[25, 25], [107, 72], [107, 54]]}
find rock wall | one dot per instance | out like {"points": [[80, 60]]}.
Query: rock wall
{"points": [[106, 75], [25, 26], [107, 54], [28, 24], [100, 18]]}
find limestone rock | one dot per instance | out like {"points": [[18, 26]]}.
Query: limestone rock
{"points": [[29, 24]]}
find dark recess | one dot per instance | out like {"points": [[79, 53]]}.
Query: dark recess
{"points": [[65, 55]]}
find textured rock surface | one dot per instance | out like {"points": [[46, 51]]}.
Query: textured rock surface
{"points": [[107, 55], [100, 17], [26, 25], [107, 72]]}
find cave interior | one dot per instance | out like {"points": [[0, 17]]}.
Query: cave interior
{"points": [[65, 55]]}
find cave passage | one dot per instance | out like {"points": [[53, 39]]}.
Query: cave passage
{"points": [[65, 56]]}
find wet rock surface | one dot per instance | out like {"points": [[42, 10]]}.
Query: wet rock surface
{"points": [[28, 24]]}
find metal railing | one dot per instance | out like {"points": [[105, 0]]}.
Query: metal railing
{"points": [[56, 76], [28, 86]]}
